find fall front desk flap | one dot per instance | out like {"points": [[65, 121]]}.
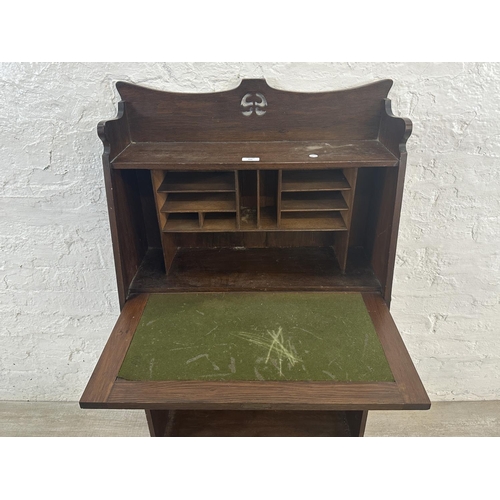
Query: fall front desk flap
{"points": [[256, 336]]}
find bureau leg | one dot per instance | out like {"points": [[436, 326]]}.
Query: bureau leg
{"points": [[157, 422], [356, 420]]}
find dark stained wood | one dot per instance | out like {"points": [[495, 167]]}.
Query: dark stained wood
{"points": [[294, 155], [258, 201], [169, 249], [195, 182], [379, 225], [192, 423], [314, 180], [250, 218], [243, 395], [128, 230], [356, 421], [201, 218], [394, 133], [112, 200], [237, 199], [279, 238], [268, 191], [106, 370], [312, 221], [279, 197], [312, 202], [351, 176], [276, 269], [350, 115], [402, 367], [341, 245], [362, 208], [115, 133], [158, 421], [150, 219], [167, 240], [209, 222], [115, 137], [157, 177], [344, 140], [199, 202], [221, 222], [329, 181]]}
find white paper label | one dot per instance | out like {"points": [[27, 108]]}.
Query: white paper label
{"points": [[250, 158]]}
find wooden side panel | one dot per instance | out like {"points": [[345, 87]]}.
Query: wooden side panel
{"points": [[167, 239], [394, 131], [148, 208], [362, 209], [380, 224], [341, 245], [104, 376], [158, 421], [128, 231], [393, 134], [115, 137], [356, 420], [115, 133], [402, 367], [352, 114]]}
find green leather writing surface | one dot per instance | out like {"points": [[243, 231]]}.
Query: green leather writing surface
{"points": [[256, 336]]}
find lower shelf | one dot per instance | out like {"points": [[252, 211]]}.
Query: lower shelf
{"points": [[274, 269], [236, 423]]}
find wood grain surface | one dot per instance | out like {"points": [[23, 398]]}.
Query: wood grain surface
{"points": [[294, 155], [344, 115], [106, 370], [273, 269], [402, 367]]}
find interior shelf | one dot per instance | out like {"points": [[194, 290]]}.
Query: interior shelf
{"points": [[313, 221], [182, 222], [251, 423], [190, 182], [312, 201], [189, 222], [314, 180], [255, 200], [273, 269], [199, 202]]}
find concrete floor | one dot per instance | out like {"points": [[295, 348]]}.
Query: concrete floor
{"points": [[67, 419]]}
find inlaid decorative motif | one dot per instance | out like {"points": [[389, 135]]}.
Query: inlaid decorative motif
{"points": [[253, 102]]}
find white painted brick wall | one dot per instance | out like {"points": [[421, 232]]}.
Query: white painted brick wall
{"points": [[57, 283]]}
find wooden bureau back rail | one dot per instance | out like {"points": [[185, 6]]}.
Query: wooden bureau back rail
{"points": [[256, 190]]}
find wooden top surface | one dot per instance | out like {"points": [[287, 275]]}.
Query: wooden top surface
{"points": [[181, 155], [105, 390]]}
